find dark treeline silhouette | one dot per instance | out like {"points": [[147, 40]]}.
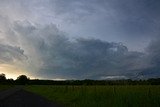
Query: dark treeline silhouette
{"points": [[24, 80]]}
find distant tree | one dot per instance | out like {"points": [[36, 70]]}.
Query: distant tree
{"points": [[22, 79], [10, 81], [2, 77]]}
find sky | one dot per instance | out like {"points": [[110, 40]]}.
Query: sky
{"points": [[80, 39]]}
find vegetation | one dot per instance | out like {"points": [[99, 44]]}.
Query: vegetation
{"points": [[3, 81], [2, 77], [24, 80], [92, 93], [4, 87], [101, 96]]}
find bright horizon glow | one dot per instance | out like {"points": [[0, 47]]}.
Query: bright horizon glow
{"points": [[11, 71]]}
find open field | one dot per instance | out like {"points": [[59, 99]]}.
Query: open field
{"points": [[4, 87], [100, 96]]}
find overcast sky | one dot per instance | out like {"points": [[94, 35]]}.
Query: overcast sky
{"points": [[80, 39]]}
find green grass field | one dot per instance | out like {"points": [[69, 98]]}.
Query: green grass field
{"points": [[101, 96], [4, 87]]}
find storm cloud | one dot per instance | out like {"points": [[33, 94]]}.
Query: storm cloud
{"points": [[10, 54], [153, 57], [59, 39], [49, 53], [54, 55], [132, 22]]}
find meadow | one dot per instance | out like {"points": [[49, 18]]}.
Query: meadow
{"points": [[4, 87], [100, 96]]}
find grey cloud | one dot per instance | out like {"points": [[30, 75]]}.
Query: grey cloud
{"points": [[7, 35], [56, 56], [90, 58], [10, 54], [127, 21], [153, 57], [51, 54]]}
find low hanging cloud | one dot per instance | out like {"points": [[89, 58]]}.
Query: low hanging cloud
{"points": [[51, 54], [47, 52], [29, 41], [10, 54], [153, 57]]}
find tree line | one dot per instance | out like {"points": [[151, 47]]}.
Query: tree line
{"points": [[24, 80]]}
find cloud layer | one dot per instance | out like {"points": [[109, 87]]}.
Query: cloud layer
{"points": [[47, 52], [73, 39], [10, 54], [51, 54], [132, 22]]}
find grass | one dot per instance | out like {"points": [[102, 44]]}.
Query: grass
{"points": [[4, 87], [101, 96]]}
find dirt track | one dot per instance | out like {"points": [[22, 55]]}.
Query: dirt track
{"points": [[17, 97]]}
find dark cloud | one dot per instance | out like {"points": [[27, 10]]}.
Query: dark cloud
{"points": [[10, 54], [153, 57], [131, 17], [51, 54], [25, 28], [60, 57], [132, 22]]}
